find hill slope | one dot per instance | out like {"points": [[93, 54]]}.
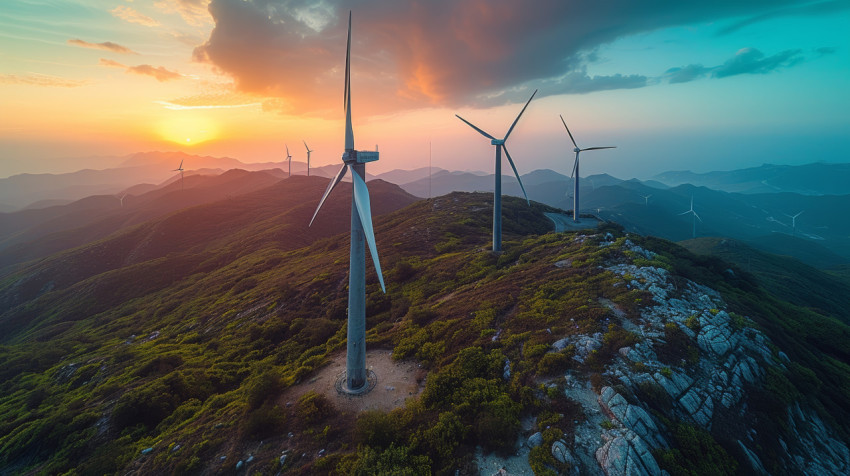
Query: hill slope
{"points": [[183, 348]]}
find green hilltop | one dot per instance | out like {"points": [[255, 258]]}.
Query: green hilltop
{"points": [[188, 344]]}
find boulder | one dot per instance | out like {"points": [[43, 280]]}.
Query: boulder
{"points": [[535, 440], [561, 453]]}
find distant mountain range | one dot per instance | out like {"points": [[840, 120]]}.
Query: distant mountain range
{"points": [[809, 179]]}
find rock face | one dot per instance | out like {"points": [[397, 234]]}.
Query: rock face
{"points": [[732, 357]]}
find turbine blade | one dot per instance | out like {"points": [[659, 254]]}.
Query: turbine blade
{"points": [[287, 150], [598, 148], [334, 182], [511, 161], [477, 129], [347, 63], [349, 130], [305, 145], [181, 164], [795, 216], [364, 209], [520, 115], [568, 131], [684, 213], [698, 218], [575, 166]]}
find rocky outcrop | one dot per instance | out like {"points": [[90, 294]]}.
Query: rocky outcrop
{"points": [[625, 453]]}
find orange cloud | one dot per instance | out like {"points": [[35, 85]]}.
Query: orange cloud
{"points": [[158, 72], [194, 12], [35, 79], [128, 14], [106, 46]]}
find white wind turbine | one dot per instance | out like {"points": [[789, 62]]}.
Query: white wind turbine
{"points": [[497, 192], [794, 220], [356, 377], [289, 159], [574, 175], [308, 156], [122, 199], [696, 217], [646, 199], [180, 169]]}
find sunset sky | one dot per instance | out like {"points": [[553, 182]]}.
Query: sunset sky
{"points": [[699, 85]]}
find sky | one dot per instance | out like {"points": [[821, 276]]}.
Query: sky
{"points": [[697, 85]]}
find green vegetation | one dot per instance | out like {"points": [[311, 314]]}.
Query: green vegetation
{"points": [[192, 355]]}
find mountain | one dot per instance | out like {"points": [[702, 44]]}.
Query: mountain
{"points": [[209, 340], [809, 179], [784, 276], [19, 191], [31, 234]]}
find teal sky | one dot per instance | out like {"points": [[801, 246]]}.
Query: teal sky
{"points": [[700, 86]]}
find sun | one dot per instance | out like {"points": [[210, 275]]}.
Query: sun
{"points": [[187, 128]]}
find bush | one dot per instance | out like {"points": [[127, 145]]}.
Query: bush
{"points": [[264, 422], [376, 429], [266, 386], [313, 407]]}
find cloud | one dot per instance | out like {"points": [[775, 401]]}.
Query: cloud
{"points": [[106, 45], [445, 53], [745, 61], [35, 79], [158, 72], [826, 50], [806, 9], [211, 101], [753, 61], [194, 12], [686, 73], [131, 15]]}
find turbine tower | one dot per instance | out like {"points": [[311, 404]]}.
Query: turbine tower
{"points": [[497, 193], [180, 169], [356, 378], [574, 174], [289, 159], [696, 217], [794, 220], [308, 156]]}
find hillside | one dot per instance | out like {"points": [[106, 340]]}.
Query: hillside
{"points": [[196, 343]]}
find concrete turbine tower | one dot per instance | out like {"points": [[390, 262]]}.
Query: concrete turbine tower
{"points": [[497, 193], [574, 175], [356, 380]]}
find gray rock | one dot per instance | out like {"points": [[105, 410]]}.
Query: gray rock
{"points": [[561, 453], [506, 372], [239, 465], [626, 454], [753, 459], [535, 440], [147, 451], [561, 344]]}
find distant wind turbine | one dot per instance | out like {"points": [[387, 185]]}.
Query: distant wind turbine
{"points": [[289, 158], [696, 217], [308, 157], [794, 220], [122, 199], [356, 377], [574, 174], [180, 169], [497, 193], [646, 199]]}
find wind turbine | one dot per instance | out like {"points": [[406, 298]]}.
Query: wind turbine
{"points": [[356, 378], [122, 199], [497, 193], [289, 158], [794, 220], [180, 169], [574, 174], [308, 156], [646, 199], [696, 217]]}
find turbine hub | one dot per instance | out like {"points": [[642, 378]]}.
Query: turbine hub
{"points": [[576, 150], [351, 156], [497, 142]]}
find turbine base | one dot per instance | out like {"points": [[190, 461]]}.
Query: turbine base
{"points": [[342, 389]]}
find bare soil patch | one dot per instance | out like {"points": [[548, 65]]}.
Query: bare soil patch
{"points": [[397, 381]]}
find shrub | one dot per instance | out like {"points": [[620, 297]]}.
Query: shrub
{"points": [[376, 429], [266, 386], [313, 407], [264, 422]]}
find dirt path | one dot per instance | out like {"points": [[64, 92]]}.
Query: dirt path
{"points": [[397, 381]]}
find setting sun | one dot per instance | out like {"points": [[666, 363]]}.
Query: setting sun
{"points": [[188, 128]]}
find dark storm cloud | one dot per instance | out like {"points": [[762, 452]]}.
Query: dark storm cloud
{"points": [[435, 53]]}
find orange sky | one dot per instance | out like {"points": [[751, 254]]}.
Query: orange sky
{"points": [[88, 78]]}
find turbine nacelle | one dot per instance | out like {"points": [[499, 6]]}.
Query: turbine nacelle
{"points": [[359, 156], [497, 142]]}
